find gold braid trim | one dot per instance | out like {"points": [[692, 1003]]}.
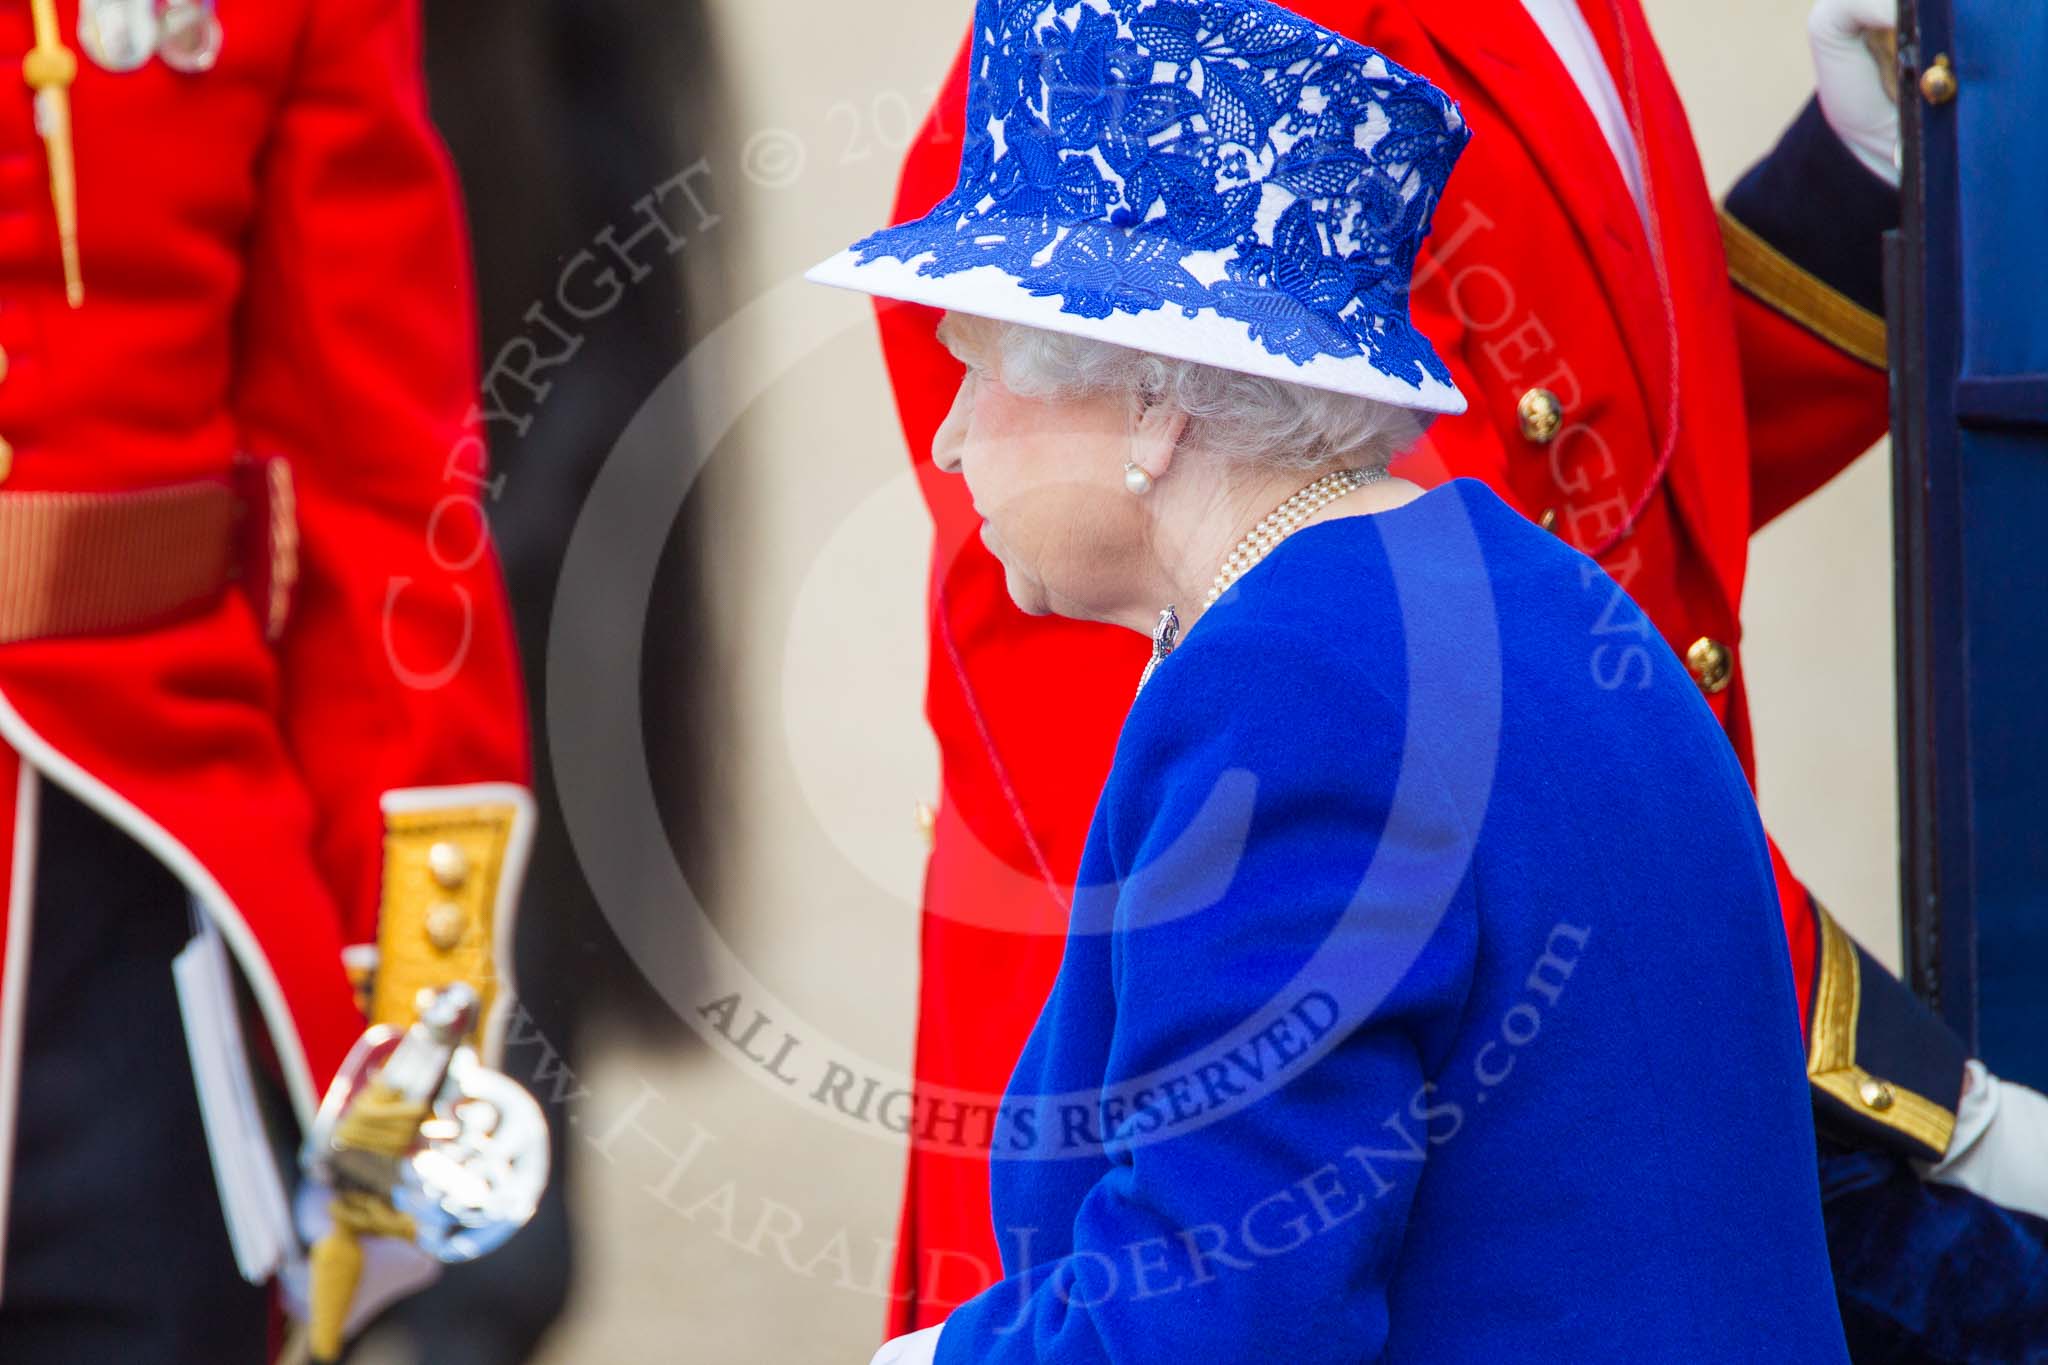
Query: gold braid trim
{"points": [[50, 68], [1831, 1048], [1774, 280]]}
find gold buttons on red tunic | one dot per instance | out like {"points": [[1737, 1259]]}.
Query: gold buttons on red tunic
{"points": [[1548, 521], [1541, 414], [1711, 664]]}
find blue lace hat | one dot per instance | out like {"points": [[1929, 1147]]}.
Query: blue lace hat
{"points": [[1213, 180]]}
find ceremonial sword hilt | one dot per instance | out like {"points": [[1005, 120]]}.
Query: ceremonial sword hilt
{"points": [[417, 1141]]}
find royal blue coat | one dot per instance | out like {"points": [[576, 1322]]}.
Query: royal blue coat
{"points": [[1425, 996]]}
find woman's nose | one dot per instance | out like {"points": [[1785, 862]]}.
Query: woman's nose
{"points": [[952, 433]]}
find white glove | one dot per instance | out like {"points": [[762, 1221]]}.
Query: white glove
{"points": [[2000, 1147], [916, 1349], [1852, 94]]}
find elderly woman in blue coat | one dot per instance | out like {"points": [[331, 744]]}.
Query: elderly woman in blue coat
{"points": [[1424, 995]]}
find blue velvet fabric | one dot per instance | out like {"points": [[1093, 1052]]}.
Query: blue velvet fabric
{"points": [[1424, 996], [1929, 1274]]}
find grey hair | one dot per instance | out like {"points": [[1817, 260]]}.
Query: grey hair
{"points": [[1269, 423]]}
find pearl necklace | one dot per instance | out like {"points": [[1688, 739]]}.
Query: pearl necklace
{"points": [[1285, 521], [1281, 523]]}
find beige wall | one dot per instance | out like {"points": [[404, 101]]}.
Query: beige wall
{"points": [[1817, 616], [733, 1248]]}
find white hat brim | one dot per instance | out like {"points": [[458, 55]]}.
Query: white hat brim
{"points": [[991, 292]]}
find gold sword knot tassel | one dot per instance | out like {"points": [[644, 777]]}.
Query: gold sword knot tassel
{"points": [[50, 68], [382, 1122]]}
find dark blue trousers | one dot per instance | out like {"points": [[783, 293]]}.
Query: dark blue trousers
{"points": [[116, 1249]]}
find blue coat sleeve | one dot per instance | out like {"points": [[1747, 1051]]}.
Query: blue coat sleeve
{"points": [[1292, 947]]}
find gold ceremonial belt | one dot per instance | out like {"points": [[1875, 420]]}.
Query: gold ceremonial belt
{"points": [[100, 563]]}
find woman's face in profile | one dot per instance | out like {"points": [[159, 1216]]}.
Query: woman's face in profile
{"points": [[1046, 477]]}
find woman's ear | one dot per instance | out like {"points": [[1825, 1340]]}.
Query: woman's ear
{"points": [[1155, 438]]}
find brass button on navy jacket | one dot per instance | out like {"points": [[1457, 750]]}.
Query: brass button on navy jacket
{"points": [[1425, 997]]}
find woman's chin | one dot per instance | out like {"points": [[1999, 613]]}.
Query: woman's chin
{"points": [[1026, 593], [1028, 597]]}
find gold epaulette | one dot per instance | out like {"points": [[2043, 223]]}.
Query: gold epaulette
{"points": [[1775, 280]]}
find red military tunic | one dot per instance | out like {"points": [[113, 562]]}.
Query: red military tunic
{"points": [[274, 267], [1686, 413]]}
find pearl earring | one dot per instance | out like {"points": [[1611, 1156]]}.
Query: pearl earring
{"points": [[1136, 480]]}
